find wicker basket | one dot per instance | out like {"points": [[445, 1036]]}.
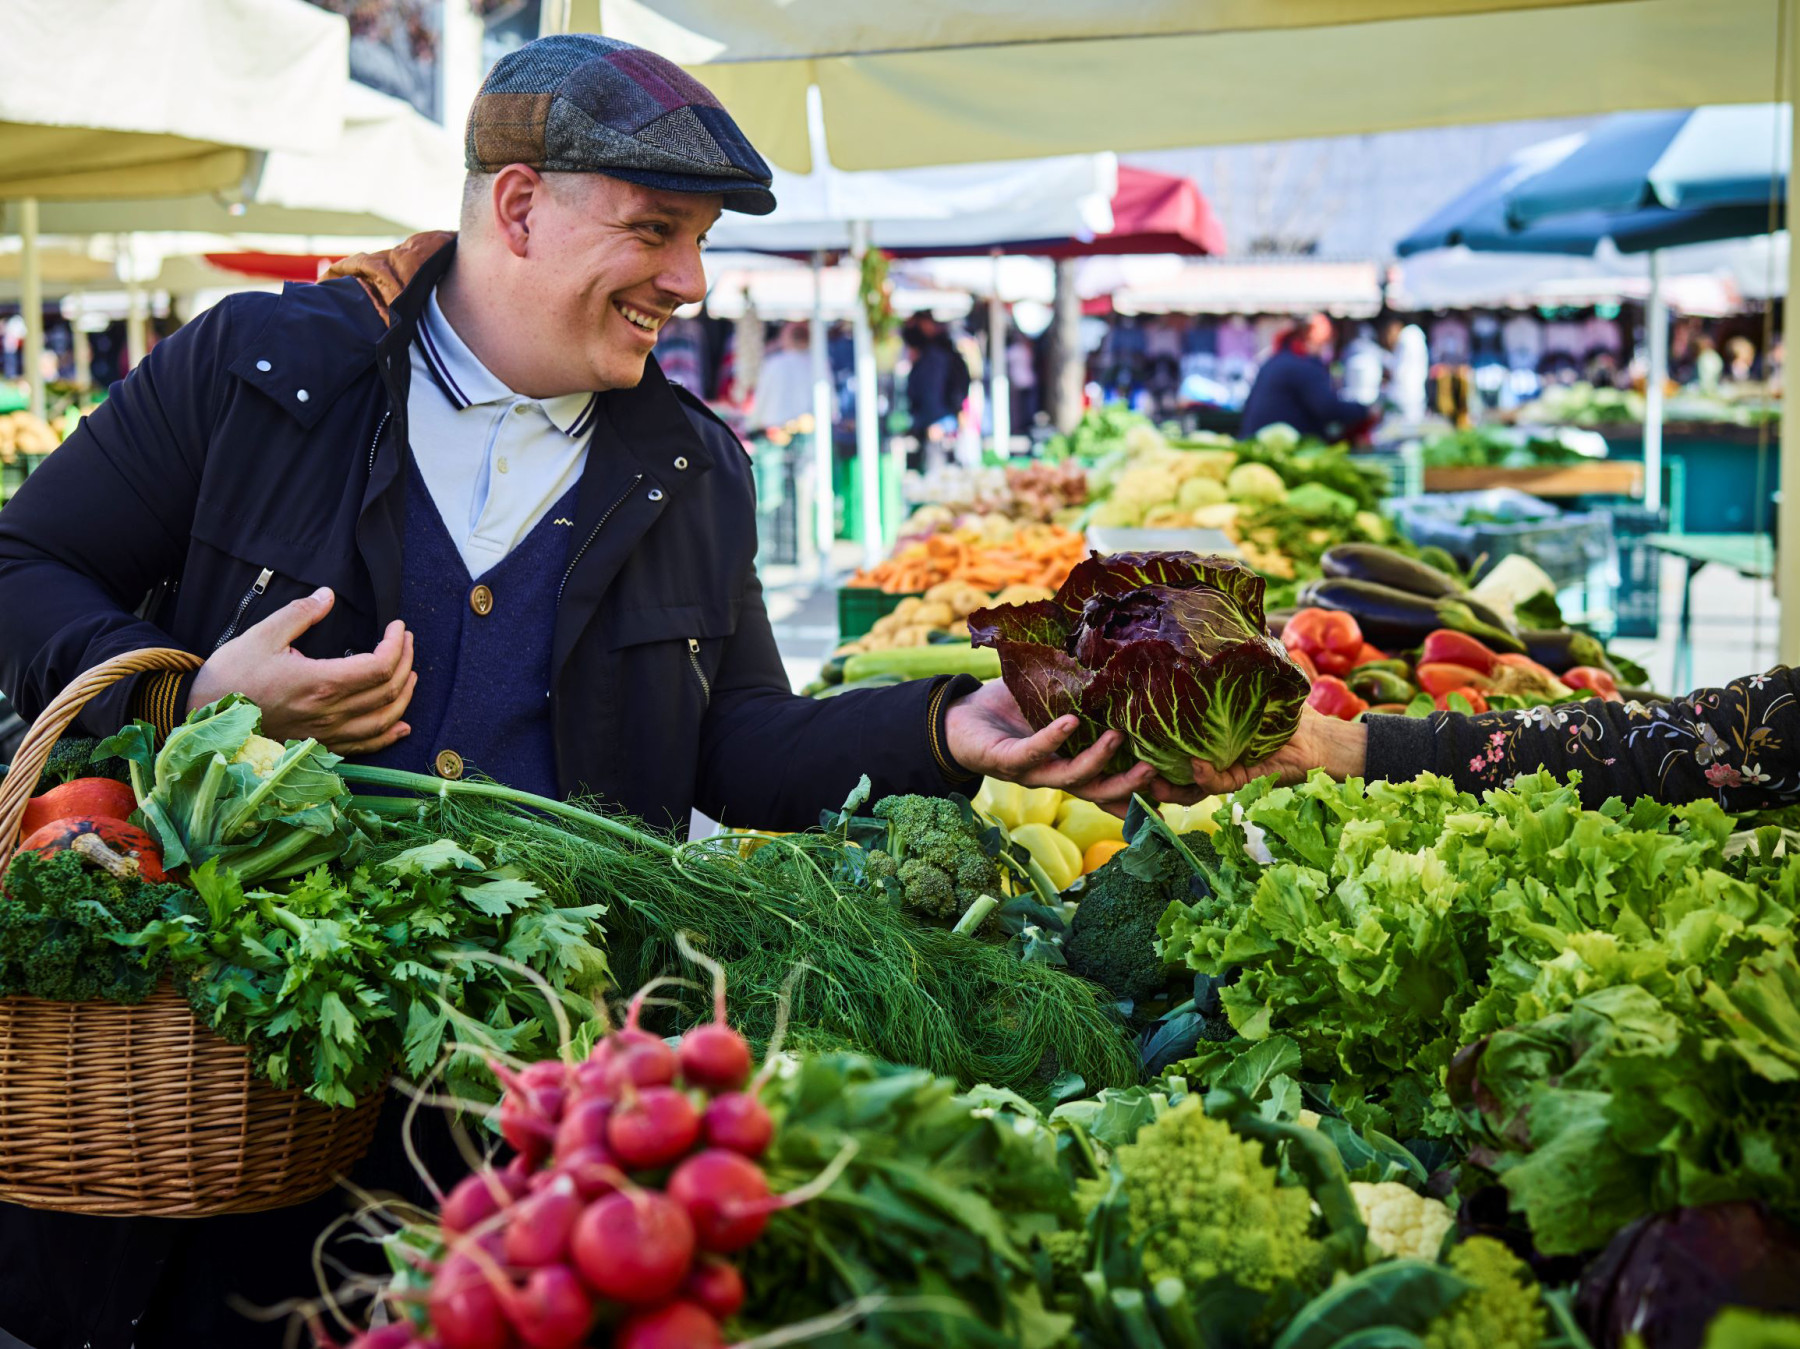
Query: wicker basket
{"points": [[141, 1110]]}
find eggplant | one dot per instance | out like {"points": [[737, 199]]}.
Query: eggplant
{"points": [[1398, 619], [1376, 685], [1383, 566], [1561, 649]]}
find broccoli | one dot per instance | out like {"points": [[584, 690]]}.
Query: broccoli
{"points": [[73, 757], [1502, 1310], [56, 917], [935, 854], [1206, 1205], [1112, 940]]}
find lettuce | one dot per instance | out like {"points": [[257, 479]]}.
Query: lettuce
{"points": [[1168, 648]]}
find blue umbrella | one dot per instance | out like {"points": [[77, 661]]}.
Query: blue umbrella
{"points": [[1697, 158]]}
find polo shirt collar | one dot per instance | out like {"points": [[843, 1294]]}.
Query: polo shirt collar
{"points": [[466, 382]]}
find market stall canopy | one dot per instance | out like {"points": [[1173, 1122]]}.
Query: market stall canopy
{"points": [[1694, 158], [947, 207], [162, 97], [941, 81], [1348, 289], [391, 171]]}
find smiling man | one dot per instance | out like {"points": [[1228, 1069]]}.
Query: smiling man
{"points": [[442, 511]]}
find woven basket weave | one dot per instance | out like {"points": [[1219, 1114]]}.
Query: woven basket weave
{"points": [[141, 1110]]}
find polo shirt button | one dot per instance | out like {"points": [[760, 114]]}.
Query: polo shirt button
{"points": [[449, 764], [263, 366], [481, 600], [681, 462], [302, 395], [656, 494]]}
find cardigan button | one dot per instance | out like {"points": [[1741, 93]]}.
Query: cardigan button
{"points": [[481, 600], [449, 764]]}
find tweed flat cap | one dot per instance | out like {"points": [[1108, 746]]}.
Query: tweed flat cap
{"points": [[581, 103]]}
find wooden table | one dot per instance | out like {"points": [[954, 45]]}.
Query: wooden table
{"points": [[1751, 555], [1602, 477]]}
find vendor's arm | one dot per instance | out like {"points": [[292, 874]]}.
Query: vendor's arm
{"points": [[1321, 400], [1738, 745]]}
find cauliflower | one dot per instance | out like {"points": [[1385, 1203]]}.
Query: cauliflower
{"points": [[1205, 1204], [261, 753], [1255, 482], [1143, 439], [1503, 1309], [1117, 513], [1198, 492], [1401, 1221], [1278, 436]]}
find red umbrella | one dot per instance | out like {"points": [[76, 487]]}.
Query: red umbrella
{"points": [[275, 266]]}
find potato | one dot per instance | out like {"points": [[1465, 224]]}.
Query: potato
{"points": [[932, 614], [1023, 594], [960, 628], [886, 623], [903, 611], [912, 636]]}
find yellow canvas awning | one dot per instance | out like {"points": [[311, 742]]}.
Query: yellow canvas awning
{"points": [[945, 81]]}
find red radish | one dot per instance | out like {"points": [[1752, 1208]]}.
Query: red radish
{"points": [[473, 1201], [715, 1057], [516, 1175], [605, 1050], [465, 1309], [397, 1336], [738, 1123], [99, 797], [592, 1169], [680, 1325], [635, 1248], [593, 1081], [537, 1231], [127, 840], [643, 1063], [725, 1196], [545, 1073], [552, 1311], [717, 1286], [583, 1125], [653, 1130], [528, 1115]]}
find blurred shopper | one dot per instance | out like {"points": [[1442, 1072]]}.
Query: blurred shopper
{"points": [[1409, 367], [1294, 387], [784, 384], [938, 382], [1740, 359], [1709, 366], [1021, 378], [1365, 367]]}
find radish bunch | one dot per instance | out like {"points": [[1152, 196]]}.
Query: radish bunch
{"points": [[634, 1180]]}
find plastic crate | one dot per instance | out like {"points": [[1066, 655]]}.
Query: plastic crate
{"points": [[1637, 603], [1569, 546], [860, 606]]}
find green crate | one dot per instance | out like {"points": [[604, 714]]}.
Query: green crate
{"points": [[860, 606]]}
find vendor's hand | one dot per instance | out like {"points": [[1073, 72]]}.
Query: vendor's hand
{"points": [[1339, 747], [351, 705], [988, 734]]}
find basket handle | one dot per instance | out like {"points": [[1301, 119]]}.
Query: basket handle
{"points": [[34, 751]]}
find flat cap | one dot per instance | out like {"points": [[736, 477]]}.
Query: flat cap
{"points": [[581, 103]]}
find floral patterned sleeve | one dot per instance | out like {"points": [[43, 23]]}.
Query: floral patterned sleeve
{"points": [[1739, 745]]}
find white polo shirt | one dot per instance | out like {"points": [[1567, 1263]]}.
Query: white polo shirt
{"points": [[493, 460]]}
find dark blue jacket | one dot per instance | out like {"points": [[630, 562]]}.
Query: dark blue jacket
{"points": [[1297, 390], [268, 434]]}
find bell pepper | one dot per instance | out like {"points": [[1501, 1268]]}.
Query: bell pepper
{"points": [[1596, 681], [1370, 653], [1476, 702], [1060, 859], [1332, 697], [1100, 854], [1305, 663], [1442, 676], [1014, 806], [1523, 677], [1448, 647], [1084, 824], [1332, 639], [1380, 685], [1187, 819]]}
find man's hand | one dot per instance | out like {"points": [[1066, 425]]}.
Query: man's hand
{"points": [[352, 705], [988, 734], [1339, 747]]}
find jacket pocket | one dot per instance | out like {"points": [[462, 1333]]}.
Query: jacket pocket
{"points": [[679, 647]]}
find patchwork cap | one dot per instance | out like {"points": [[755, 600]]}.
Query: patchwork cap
{"points": [[581, 103]]}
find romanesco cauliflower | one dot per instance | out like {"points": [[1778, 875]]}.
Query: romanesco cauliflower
{"points": [[1206, 1205], [1401, 1221], [1502, 1310]]}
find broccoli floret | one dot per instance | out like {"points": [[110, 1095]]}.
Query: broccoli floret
{"points": [[1206, 1205], [72, 757], [56, 919], [1502, 1310], [1112, 940], [936, 855]]}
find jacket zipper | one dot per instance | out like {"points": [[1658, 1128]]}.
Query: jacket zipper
{"points": [[589, 541], [380, 426], [700, 674], [261, 584]]}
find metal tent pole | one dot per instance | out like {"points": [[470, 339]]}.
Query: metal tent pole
{"points": [[824, 505], [868, 434], [1787, 563], [999, 390], [1657, 319], [31, 302]]}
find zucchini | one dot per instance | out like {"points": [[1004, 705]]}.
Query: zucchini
{"points": [[872, 682], [925, 662]]}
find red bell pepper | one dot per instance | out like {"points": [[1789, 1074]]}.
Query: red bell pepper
{"points": [[1595, 680], [1332, 697], [1305, 663], [1458, 648], [1443, 676], [1369, 653], [1523, 677], [1332, 639], [1476, 702]]}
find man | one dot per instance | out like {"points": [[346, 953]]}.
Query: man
{"points": [[938, 382], [784, 384], [1294, 387], [445, 513]]}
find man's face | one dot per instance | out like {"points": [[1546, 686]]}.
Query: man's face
{"points": [[608, 263]]}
